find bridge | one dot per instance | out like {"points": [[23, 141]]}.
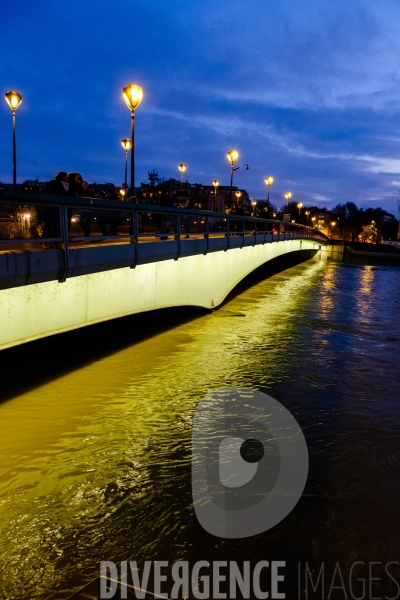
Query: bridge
{"points": [[68, 262]]}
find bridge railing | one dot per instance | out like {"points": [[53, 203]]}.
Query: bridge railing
{"points": [[62, 221]]}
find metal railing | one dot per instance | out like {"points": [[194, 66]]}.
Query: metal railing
{"points": [[29, 218]]}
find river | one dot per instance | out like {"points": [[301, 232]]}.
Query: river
{"points": [[95, 433]]}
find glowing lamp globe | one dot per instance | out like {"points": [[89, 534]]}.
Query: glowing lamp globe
{"points": [[133, 95], [232, 156], [13, 99], [126, 144]]}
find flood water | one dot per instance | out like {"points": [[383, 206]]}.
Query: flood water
{"points": [[95, 444]]}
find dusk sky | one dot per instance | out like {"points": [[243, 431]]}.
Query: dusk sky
{"points": [[307, 91]]}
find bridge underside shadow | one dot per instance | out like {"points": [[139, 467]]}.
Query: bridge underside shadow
{"points": [[270, 268], [34, 311]]}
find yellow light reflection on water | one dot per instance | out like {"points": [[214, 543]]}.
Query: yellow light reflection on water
{"points": [[115, 432]]}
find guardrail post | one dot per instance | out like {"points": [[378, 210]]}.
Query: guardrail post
{"points": [[134, 231], [227, 235], [178, 235], [207, 235], [63, 213]]}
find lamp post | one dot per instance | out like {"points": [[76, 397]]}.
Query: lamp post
{"points": [[313, 219], [299, 206], [269, 181], [216, 183], [127, 145], [13, 100], [182, 168], [232, 156], [254, 203], [307, 213], [288, 195], [238, 194], [374, 230], [133, 95], [333, 223]]}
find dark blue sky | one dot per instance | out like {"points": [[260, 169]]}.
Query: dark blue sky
{"points": [[308, 91]]}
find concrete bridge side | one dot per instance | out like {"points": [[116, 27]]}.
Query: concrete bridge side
{"points": [[33, 311]]}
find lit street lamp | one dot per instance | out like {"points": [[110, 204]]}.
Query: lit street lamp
{"points": [[307, 213], [182, 168], [333, 223], [13, 100], [288, 195], [232, 156], [133, 95], [127, 145], [254, 203], [238, 194], [299, 206], [374, 231], [216, 183], [269, 181]]}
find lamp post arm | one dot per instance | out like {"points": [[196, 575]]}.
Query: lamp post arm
{"points": [[244, 165]]}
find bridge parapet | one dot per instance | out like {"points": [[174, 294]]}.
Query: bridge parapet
{"points": [[45, 237]]}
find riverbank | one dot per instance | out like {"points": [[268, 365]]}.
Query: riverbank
{"points": [[360, 252]]}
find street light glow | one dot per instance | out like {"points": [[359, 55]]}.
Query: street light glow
{"points": [[269, 180], [126, 144], [216, 183], [288, 195], [133, 95], [232, 156], [13, 99], [182, 167]]}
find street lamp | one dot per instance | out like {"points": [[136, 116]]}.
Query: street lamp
{"points": [[232, 156], [238, 194], [299, 206], [333, 223], [127, 145], [13, 100], [307, 213], [182, 168], [254, 203], [269, 181], [216, 183], [133, 95], [374, 231], [313, 219], [288, 195]]}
